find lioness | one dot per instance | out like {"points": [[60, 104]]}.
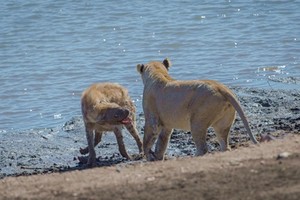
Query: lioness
{"points": [[107, 107], [188, 105]]}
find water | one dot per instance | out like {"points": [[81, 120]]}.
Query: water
{"points": [[51, 51]]}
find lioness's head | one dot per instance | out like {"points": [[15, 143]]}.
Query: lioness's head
{"points": [[155, 70]]}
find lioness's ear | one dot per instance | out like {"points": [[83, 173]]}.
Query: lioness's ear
{"points": [[167, 63], [140, 68]]}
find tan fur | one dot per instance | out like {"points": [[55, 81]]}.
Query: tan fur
{"points": [[107, 107], [188, 105]]}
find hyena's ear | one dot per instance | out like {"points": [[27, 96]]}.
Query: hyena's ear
{"points": [[140, 68], [167, 63]]}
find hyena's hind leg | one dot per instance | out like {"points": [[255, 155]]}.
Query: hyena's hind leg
{"points": [[133, 131], [97, 139]]}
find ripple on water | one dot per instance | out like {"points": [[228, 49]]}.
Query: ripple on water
{"points": [[50, 52]]}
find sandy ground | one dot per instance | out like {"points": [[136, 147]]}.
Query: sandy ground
{"points": [[268, 171]]}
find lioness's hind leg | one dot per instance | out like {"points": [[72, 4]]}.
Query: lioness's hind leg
{"points": [[223, 137], [162, 143], [199, 137], [133, 131], [222, 128]]}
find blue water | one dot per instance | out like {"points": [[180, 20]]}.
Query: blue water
{"points": [[52, 50]]}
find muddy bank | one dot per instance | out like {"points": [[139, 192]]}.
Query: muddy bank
{"points": [[56, 149], [267, 171]]}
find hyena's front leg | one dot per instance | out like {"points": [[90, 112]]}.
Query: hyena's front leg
{"points": [[133, 131], [119, 137], [98, 136], [90, 139]]}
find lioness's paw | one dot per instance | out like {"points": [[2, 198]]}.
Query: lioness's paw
{"points": [[83, 159], [91, 163], [151, 156]]}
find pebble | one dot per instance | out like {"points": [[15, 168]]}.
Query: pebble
{"points": [[254, 171], [118, 169], [234, 163], [283, 155], [150, 178]]}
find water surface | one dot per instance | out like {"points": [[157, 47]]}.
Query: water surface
{"points": [[51, 51]]}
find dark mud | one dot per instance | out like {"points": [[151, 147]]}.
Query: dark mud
{"points": [[272, 113]]}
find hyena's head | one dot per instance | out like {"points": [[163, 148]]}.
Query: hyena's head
{"points": [[110, 114], [155, 70]]}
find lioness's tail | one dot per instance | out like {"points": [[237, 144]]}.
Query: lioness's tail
{"points": [[234, 102]]}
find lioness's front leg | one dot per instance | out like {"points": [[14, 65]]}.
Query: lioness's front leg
{"points": [[150, 135], [162, 143]]}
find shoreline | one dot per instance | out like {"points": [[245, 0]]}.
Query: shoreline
{"points": [[39, 151]]}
